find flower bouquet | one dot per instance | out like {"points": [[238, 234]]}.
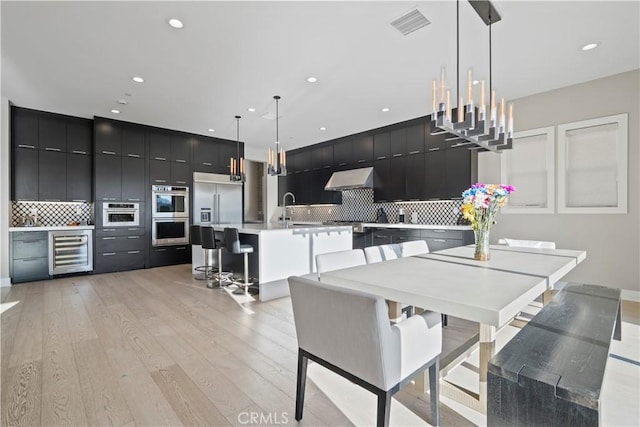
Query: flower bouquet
{"points": [[480, 206]]}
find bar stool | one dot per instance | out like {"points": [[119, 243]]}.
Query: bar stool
{"points": [[233, 245], [208, 242], [194, 235]]}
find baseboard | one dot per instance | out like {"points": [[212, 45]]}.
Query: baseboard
{"points": [[630, 295], [5, 281]]}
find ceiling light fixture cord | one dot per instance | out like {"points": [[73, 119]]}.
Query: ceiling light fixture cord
{"points": [[458, 52], [490, 59]]}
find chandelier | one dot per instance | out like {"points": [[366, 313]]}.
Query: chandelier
{"points": [[237, 165], [277, 159], [472, 125]]}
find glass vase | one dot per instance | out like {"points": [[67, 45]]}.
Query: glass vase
{"points": [[482, 245]]}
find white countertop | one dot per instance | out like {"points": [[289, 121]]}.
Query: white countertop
{"points": [[416, 226], [253, 228], [54, 228]]}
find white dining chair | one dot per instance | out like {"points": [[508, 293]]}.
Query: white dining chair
{"points": [[381, 253], [349, 333], [413, 247], [338, 260]]}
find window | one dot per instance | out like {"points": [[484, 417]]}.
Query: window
{"points": [[529, 166], [592, 166]]}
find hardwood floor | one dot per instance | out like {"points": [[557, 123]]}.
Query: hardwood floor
{"points": [[155, 347]]}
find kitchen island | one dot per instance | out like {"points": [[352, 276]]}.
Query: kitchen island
{"points": [[279, 252]]}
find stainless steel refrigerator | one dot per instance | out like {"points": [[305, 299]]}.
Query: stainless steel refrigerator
{"points": [[216, 200]]}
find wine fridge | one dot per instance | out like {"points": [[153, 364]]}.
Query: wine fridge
{"points": [[70, 251]]}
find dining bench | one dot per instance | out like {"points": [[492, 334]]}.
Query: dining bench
{"points": [[551, 372]]}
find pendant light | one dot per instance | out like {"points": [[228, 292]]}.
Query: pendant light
{"points": [[471, 125], [237, 165], [277, 159]]}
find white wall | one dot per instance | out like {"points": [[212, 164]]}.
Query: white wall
{"points": [[612, 241], [5, 180]]}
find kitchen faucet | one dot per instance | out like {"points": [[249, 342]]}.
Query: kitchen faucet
{"points": [[284, 206]]}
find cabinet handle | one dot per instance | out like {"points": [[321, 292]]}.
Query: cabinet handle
{"points": [[326, 167], [361, 161], [133, 200], [31, 241], [341, 164], [108, 238], [206, 163], [181, 161], [381, 157], [131, 229], [51, 149], [30, 259], [51, 200], [434, 149], [160, 158], [397, 155], [181, 182], [78, 200], [160, 250], [108, 254], [414, 152], [133, 252], [111, 153], [32, 147], [79, 152], [136, 156], [181, 248], [133, 237], [160, 180], [440, 240], [439, 231], [109, 230]]}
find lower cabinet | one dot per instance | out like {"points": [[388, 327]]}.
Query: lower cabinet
{"points": [[119, 249], [169, 255], [29, 256], [437, 239]]}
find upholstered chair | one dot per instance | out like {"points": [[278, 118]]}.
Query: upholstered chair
{"points": [[349, 333]]}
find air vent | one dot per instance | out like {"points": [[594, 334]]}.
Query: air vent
{"points": [[410, 22]]}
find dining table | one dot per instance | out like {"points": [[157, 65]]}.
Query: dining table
{"points": [[490, 293]]}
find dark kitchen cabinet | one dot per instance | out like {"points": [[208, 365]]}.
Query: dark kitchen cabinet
{"points": [[52, 176], [316, 157], [414, 177], [205, 155], [398, 178], [398, 142], [363, 149], [79, 177], [29, 256], [435, 142], [169, 255], [133, 139], [322, 156], [108, 137], [327, 156], [305, 159], [79, 136], [159, 172], [283, 187], [52, 133], [159, 145], [227, 151], [300, 186], [24, 128], [343, 152], [180, 148], [133, 179], [435, 175], [108, 177], [106, 262], [458, 171], [382, 180], [181, 174], [25, 174], [326, 196], [381, 146], [415, 139]]}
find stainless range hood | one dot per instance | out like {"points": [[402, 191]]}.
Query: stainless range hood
{"points": [[351, 179]]}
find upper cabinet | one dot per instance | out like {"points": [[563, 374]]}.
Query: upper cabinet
{"points": [[180, 148], [159, 144], [343, 152], [133, 138], [415, 139], [363, 149]]}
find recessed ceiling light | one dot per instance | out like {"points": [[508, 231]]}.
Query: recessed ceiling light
{"points": [[115, 111], [176, 23], [590, 46], [475, 82], [122, 102], [138, 79], [251, 110], [312, 79], [211, 130], [323, 128], [385, 109]]}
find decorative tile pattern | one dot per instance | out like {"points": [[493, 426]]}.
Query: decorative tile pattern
{"points": [[358, 206], [51, 214]]}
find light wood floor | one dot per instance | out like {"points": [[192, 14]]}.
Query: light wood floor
{"points": [[155, 347]]}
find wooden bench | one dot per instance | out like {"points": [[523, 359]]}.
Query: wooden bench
{"points": [[551, 372]]}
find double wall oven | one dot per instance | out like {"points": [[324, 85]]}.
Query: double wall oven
{"points": [[170, 215]]}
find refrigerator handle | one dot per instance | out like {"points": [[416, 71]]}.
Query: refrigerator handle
{"points": [[218, 204], [214, 214]]}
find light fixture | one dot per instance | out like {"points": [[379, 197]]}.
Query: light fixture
{"points": [[115, 111], [122, 102], [251, 110], [237, 166], [323, 128], [312, 79], [385, 109], [138, 79], [212, 130], [590, 46], [277, 159], [472, 125], [176, 23]]}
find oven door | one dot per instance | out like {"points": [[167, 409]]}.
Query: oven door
{"points": [[170, 204], [170, 231], [120, 218]]}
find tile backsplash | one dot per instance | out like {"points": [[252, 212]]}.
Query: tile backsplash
{"points": [[358, 205], [50, 213]]}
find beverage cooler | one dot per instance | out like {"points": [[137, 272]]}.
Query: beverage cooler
{"points": [[70, 251]]}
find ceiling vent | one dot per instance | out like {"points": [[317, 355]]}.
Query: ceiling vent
{"points": [[410, 22]]}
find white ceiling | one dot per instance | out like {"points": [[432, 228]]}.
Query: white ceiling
{"points": [[78, 58]]}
